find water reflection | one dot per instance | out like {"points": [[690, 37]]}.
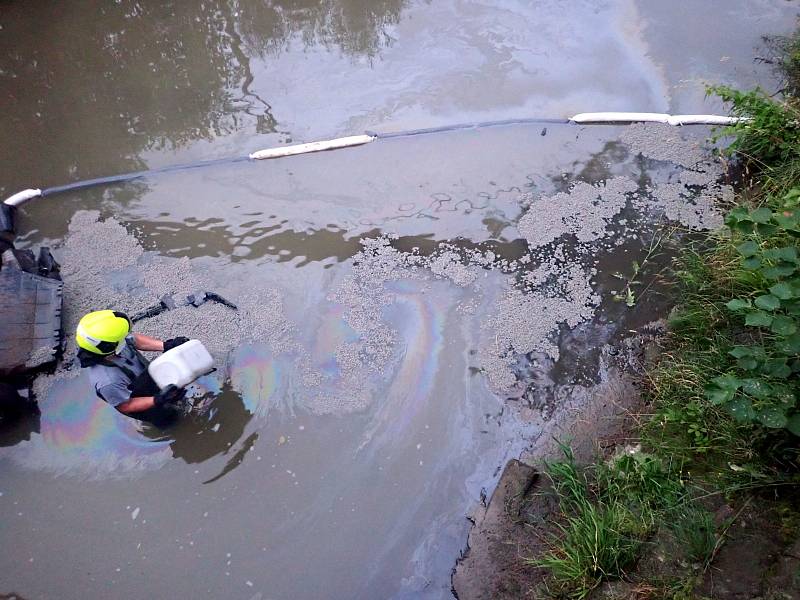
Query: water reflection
{"points": [[211, 431], [90, 90], [78, 433], [251, 240]]}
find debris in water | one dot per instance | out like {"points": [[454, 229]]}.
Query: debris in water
{"points": [[585, 211]]}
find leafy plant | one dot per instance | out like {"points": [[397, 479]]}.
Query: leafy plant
{"points": [[691, 417], [628, 293], [763, 382], [769, 129]]}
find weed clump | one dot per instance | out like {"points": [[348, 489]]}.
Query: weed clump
{"points": [[609, 510]]}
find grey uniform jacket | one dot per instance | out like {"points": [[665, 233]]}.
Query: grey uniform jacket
{"points": [[112, 383]]}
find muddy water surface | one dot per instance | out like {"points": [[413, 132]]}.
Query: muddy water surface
{"points": [[360, 406]]}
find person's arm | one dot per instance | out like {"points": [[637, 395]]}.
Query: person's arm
{"points": [[118, 395], [147, 343], [137, 404], [168, 395]]}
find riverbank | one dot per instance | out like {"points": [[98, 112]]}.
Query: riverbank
{"points": [[681, 478]]}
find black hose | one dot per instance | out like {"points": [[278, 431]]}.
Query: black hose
{"points": [[126, 177], [462, 126]]}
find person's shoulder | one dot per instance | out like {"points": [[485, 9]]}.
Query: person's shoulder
{"points": [[103, 375], [114, 393]]}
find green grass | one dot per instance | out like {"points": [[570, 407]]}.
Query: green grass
{"points": [[696, 532], [609, 510]]}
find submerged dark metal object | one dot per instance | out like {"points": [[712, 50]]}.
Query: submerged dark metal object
{"points": [[195, 299], [30, 321], [7, 233]]}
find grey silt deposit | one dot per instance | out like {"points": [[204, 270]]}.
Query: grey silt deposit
{"points": [[524, 323], [106, 267], [585, 211], [663, 142], [558, 289], [693, 200]]}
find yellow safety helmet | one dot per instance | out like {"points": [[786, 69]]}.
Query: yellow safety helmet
{"points": [[103, 331]]}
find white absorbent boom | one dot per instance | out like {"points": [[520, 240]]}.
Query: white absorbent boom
{"points": [[359, 140]]}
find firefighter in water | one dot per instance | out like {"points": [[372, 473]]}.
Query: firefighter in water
{"points": [[111, 351]]}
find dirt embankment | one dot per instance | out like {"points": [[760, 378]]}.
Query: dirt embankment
{"points": [[515, 523]]}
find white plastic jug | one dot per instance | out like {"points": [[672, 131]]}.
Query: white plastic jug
{"points": [[181, 365]]}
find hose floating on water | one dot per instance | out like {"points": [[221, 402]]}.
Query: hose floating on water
{"points": [[634, 117], [370, 136]]}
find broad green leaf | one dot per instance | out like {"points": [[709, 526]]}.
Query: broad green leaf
{"points": [[783, 325], [765, 229], [783, 396], [793, 424], [778, 272], [757, 388], [719, 396], [741, 351], [786, 219], [758, 318], [748, 249], [737, 214], [761, 215], [727, 382], [786, 253], [777, 368], [752, 263], [748, 363], [741, 409], [768, 302], [771, 417], [738, 304], [790, 344], [782, 290]]}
